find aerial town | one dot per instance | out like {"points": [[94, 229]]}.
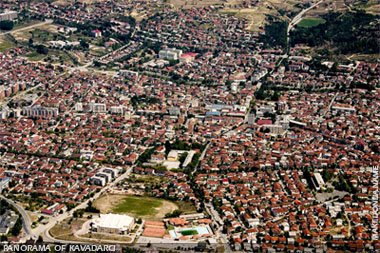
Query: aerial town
{"points": [[191, 125]]}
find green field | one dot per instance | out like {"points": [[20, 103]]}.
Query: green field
{"points": [[311, 22], [34, 56], [189, 232], [140, 206], [41, 36], [5, 44]]}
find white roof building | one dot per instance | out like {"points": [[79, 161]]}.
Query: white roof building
{"points": [[113, 223]]}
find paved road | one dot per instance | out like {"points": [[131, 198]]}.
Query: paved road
{"points": [[320, 119], [219, 224], [49, 21], [294, 22], [201, 157]]}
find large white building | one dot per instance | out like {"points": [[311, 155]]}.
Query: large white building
{"points": [[170, 54], [113, 223], [104, 176], [8, 15], [318, 181], [40, 111], [4, 112], [96, 180], [117, 109], [97, 107]]}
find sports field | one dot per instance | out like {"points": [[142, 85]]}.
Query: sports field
{"points": [[311, 22], [189, 232], [140, 206], [137, 206]]}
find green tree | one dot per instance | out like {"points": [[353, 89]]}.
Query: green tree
{"points": [[84, 44], [41, 49], [6, 25], [17, 227]]}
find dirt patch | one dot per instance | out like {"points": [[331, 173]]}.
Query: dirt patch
{"points": [[106, 203], [25, 35], [167, 207], [256, 16]]}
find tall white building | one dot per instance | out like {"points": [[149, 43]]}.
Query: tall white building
{"points": [[251, 118], [97, 107], [40, 111], [5, 112], [8, 15], [117, 109], [170, 54]]}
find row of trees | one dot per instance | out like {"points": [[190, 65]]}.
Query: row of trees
{"points": [[275, 33]]}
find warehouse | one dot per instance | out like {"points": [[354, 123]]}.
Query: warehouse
{"points": [[113, 224]]}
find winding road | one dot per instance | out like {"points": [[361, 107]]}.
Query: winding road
{"points": [[298, 19], [300, 15], [26, 221]]}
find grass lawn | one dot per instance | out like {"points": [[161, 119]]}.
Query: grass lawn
{"points": [[140, 206], [145, 207], [189, 232], [34, 56], [5, 44], [311, 22]]}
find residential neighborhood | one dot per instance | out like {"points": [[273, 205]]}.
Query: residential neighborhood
{"points": [[162, 125]]}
